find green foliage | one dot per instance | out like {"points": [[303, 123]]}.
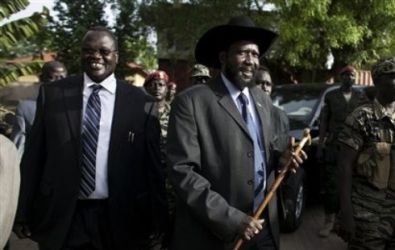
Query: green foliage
{"points": [[132, 37], [7, 8], [21, 29], [13, 33], [354, 31], [11, 72]]}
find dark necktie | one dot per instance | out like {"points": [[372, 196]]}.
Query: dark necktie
{"points": [[259, 153], [89, 137]]}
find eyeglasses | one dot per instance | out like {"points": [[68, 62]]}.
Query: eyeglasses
{"points": [[103, 52]]}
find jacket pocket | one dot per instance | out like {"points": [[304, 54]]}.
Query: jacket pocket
{"points": [[374, 163]]}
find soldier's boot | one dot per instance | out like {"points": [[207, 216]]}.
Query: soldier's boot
{"points": [[328, 225]]}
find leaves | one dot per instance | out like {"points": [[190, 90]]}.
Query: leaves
{"points": [[353, 31], [13, 33], [347, 29], [132, 38], [7, 8], [11, 72]]}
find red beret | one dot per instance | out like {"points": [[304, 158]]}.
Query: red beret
{"points": [[347, 68], [157, 75]]}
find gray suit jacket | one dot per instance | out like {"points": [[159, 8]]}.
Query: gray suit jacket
{"points": [[24, 117], [212, 166]]}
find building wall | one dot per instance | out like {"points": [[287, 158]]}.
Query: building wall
{"points": [[178, 71], [364, 77]]}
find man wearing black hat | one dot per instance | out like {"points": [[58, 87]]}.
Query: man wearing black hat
{"points": [[219, 145]]}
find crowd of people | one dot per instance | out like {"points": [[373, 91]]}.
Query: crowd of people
{"points": [[105, 165]]}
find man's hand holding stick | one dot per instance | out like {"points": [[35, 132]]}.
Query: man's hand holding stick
{"points": [[290, 162]]}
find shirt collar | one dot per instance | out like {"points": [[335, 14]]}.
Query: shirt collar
{"points": [[109, 83], [234, 92]]}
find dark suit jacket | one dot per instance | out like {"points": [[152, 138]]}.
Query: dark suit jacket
{"points": [[212, 168], [51, 166]]}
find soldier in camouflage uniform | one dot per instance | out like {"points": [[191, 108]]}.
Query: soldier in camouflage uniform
{"points": [[338, 104], [367, 164], [200, 74], [157, 85]]}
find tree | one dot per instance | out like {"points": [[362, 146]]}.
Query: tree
{"points": [[356, 32], [132, 37], [15, 32], [179, 25], [72, 21]]}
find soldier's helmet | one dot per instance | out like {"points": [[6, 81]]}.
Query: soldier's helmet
{"points": [[200, 70]]}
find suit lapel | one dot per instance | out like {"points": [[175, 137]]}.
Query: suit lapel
{"points": [[227, 103], [72, 94], [119, 121], [264, 117]]}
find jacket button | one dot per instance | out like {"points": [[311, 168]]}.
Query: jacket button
{"points": [[250, 182], [250, 154]]}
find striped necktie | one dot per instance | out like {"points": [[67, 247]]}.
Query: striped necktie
{"points": [[89, 137], [259, 152]]}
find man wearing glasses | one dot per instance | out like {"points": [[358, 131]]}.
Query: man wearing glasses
{"points": [[90, 172]]}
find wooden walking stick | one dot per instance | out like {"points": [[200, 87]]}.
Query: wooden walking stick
{"points": [[305, 140]]}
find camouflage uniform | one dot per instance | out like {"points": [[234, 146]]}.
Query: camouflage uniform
{"points": [[170, 193], [164, 122], [371, 131], [334, 113]]}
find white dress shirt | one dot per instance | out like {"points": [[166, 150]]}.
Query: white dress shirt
{"points": [[107, 100]]}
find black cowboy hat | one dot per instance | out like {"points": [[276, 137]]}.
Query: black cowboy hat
{"points": [[221, 37]]}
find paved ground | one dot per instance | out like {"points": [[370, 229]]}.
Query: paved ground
{"points": [[17, 244], [305, 238]]}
